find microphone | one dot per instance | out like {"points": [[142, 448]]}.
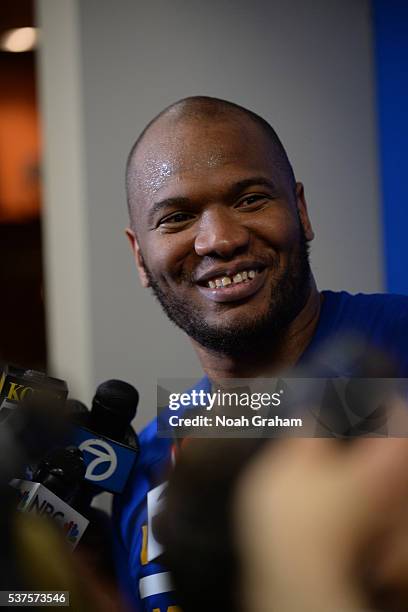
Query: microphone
{"points": [[113, 408], [74, 407], [110, 448], [108, 443], [29, 432], [62, 472], [55, 483], [18, 385]]}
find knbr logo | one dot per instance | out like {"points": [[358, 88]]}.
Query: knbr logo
{"points": [[103, 453]]}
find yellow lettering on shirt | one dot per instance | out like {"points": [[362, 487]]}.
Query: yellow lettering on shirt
{"points": [[143, 552]]}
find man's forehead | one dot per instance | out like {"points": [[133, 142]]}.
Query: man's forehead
{"points": [[158, 169], [171, 151]]}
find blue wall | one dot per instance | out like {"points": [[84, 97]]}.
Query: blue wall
{"points": [[391, 55]]}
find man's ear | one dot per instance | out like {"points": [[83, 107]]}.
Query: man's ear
{"points": [[134, 245], [303, 214]]}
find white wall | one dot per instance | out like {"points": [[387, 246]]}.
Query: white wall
{"points": [[305, 65]]}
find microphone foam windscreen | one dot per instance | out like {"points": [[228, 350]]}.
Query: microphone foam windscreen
{"points": [[118, 397]]}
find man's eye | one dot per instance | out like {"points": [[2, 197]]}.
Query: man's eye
{"points": [[252, 199], [175, 219]]}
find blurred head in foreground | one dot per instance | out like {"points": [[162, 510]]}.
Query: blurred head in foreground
{"points": [[301, 524], [197, 528]]}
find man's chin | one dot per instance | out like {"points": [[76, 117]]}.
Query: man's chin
{"points": [[236, 336], [235, 323]]}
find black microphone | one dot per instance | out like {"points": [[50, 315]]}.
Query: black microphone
{"points": [[109, 445], [55, 484], [31, 414], [113, 408], [62, 472], [74, 407]]}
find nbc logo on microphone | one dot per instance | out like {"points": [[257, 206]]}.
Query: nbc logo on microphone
{"points": [[71, 531]]}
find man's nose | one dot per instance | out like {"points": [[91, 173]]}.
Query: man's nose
{"points": [[220, 233]]}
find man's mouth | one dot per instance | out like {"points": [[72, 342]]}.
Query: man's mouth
{"points": [[224, 281], [233, 287]]}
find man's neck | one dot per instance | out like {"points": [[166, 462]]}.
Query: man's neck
{"points": [[266, 363]]}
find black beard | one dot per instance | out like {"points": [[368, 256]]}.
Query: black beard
{"points": [[288, 298]]}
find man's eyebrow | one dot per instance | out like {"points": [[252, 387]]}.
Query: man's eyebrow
{"points": [[163, 204], [236, 188]]}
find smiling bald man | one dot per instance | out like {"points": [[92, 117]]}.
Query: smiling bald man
{"points": [[220, 231]]}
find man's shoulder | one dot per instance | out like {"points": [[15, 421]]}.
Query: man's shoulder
{"points": [[375, 300], [376, 321], [368, 308]]}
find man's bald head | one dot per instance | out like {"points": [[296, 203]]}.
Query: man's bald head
{"points": [[202, 111]]}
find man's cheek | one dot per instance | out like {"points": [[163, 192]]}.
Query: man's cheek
{"points": [[279, 229], [157, 262], [164, 254]]}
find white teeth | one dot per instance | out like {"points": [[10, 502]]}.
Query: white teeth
{"points": [[211, 284], [237, 278], [226, 281], [251, 274], [244, 275], [218, 282]]}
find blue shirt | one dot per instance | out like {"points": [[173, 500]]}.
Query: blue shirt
{"points": [[377, 320]]}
